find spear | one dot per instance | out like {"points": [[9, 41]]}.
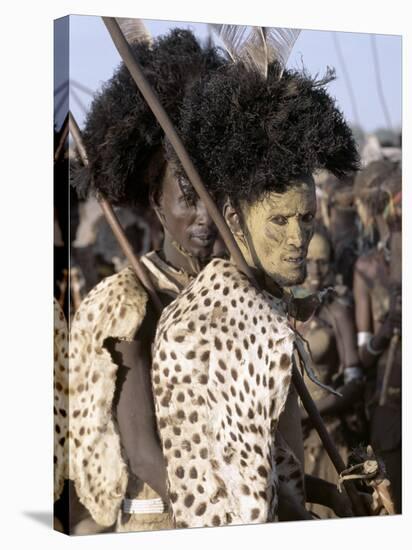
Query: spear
{"points": [[152, 100], [114, 223]]}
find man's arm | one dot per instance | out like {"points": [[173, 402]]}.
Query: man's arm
{"points": [[290, 425], [363, 308], [135, 414], [333, 404], [345, 334], [378, 341]]}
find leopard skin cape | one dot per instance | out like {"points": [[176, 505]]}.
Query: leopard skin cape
{"points": [[221, 374]]}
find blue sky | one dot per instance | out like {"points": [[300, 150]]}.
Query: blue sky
{"points": [[93, 59]]}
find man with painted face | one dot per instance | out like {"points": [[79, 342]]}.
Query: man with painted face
{"points": [[223, 349], [116, 461]]}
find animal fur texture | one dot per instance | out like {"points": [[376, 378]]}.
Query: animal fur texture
{"points": [[61, 392], [115, 308], [221, 375]]}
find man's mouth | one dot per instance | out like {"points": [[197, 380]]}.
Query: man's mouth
{"points": [[295, 260], [205, 238]]}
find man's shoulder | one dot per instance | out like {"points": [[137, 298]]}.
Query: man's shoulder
{"points": [[223, 298], [117, 303], [220, 285]]}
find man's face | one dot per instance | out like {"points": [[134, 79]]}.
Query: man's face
{"points": [[279, 231], [318, 263], [189, 224]]}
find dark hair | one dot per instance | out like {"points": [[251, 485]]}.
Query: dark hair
{"points": [[249, 136], [121, 135]]}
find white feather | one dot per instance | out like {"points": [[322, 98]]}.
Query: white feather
{"points": [[280, 43], [234, 37], [257, 46]]}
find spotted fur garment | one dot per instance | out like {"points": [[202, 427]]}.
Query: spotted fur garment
{"points": [[61, 392], [221, 374], [114, 308]]}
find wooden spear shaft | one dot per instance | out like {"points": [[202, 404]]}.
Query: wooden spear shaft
{"points": [[152, 100], [115, 224], [316, 419]]}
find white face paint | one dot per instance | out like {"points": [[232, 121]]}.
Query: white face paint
{"points": [[279, 230]]}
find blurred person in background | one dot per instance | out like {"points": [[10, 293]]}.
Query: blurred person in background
{"points": [[331, 335], [378, 303]]}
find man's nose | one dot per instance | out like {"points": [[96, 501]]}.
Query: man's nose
{"points": [[202, 215], [296, 234]]}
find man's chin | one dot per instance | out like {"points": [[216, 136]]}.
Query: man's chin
{"points": [[287, 280], [201, 253]]}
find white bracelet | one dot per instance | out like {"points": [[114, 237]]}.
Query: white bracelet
{"points": [[364, 338], [143, 506], [352, 373]]}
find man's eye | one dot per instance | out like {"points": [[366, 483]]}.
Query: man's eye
{"points": [[307, 218], [279, 220]]}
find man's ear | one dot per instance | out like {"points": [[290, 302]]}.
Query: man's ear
{"points": [[156, 202], [232, 219], [154, 176]]}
